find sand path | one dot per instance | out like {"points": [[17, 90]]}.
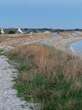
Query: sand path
{"points": [[8, 98]]}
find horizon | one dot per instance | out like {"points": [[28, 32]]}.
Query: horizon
{"points": [[41, 14], [40, 28]]}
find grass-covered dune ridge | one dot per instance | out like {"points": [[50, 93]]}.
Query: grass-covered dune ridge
{"points": [[48, 76]]}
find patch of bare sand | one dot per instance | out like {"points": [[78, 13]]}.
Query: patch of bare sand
{"points": [[18, 40]]}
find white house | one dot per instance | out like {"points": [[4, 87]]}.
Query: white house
{"points": [[19, 31], [2, 31]]}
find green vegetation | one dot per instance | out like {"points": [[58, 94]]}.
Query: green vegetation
{"points": [[11, 32], [49, 77], [1, 51]]}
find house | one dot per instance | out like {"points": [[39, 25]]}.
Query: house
{"points": [[19, 30], [2, 31]]}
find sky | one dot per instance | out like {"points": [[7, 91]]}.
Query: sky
{"points": [[41, 13]]}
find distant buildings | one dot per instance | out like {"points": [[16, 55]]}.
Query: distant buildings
{"points": [[11, 31], [23, 30], [30, 31]]}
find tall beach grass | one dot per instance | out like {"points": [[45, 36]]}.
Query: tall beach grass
{"points": [[48, 76]]}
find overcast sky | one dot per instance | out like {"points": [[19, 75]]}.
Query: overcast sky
{"points": [[41, 13]]}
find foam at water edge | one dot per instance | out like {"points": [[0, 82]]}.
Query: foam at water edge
{"points": [[72, 49]]}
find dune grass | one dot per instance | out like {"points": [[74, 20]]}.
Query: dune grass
{"points": [[1, 51], [49, 77]]}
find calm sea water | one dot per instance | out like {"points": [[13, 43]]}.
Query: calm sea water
{"points": [[77, 47]]}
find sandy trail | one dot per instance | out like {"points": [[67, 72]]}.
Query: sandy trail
{"points": [[8, 98]]}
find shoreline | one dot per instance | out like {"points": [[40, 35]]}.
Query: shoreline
{"points": [[65, 45], [71, 50], [74, 51]]}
